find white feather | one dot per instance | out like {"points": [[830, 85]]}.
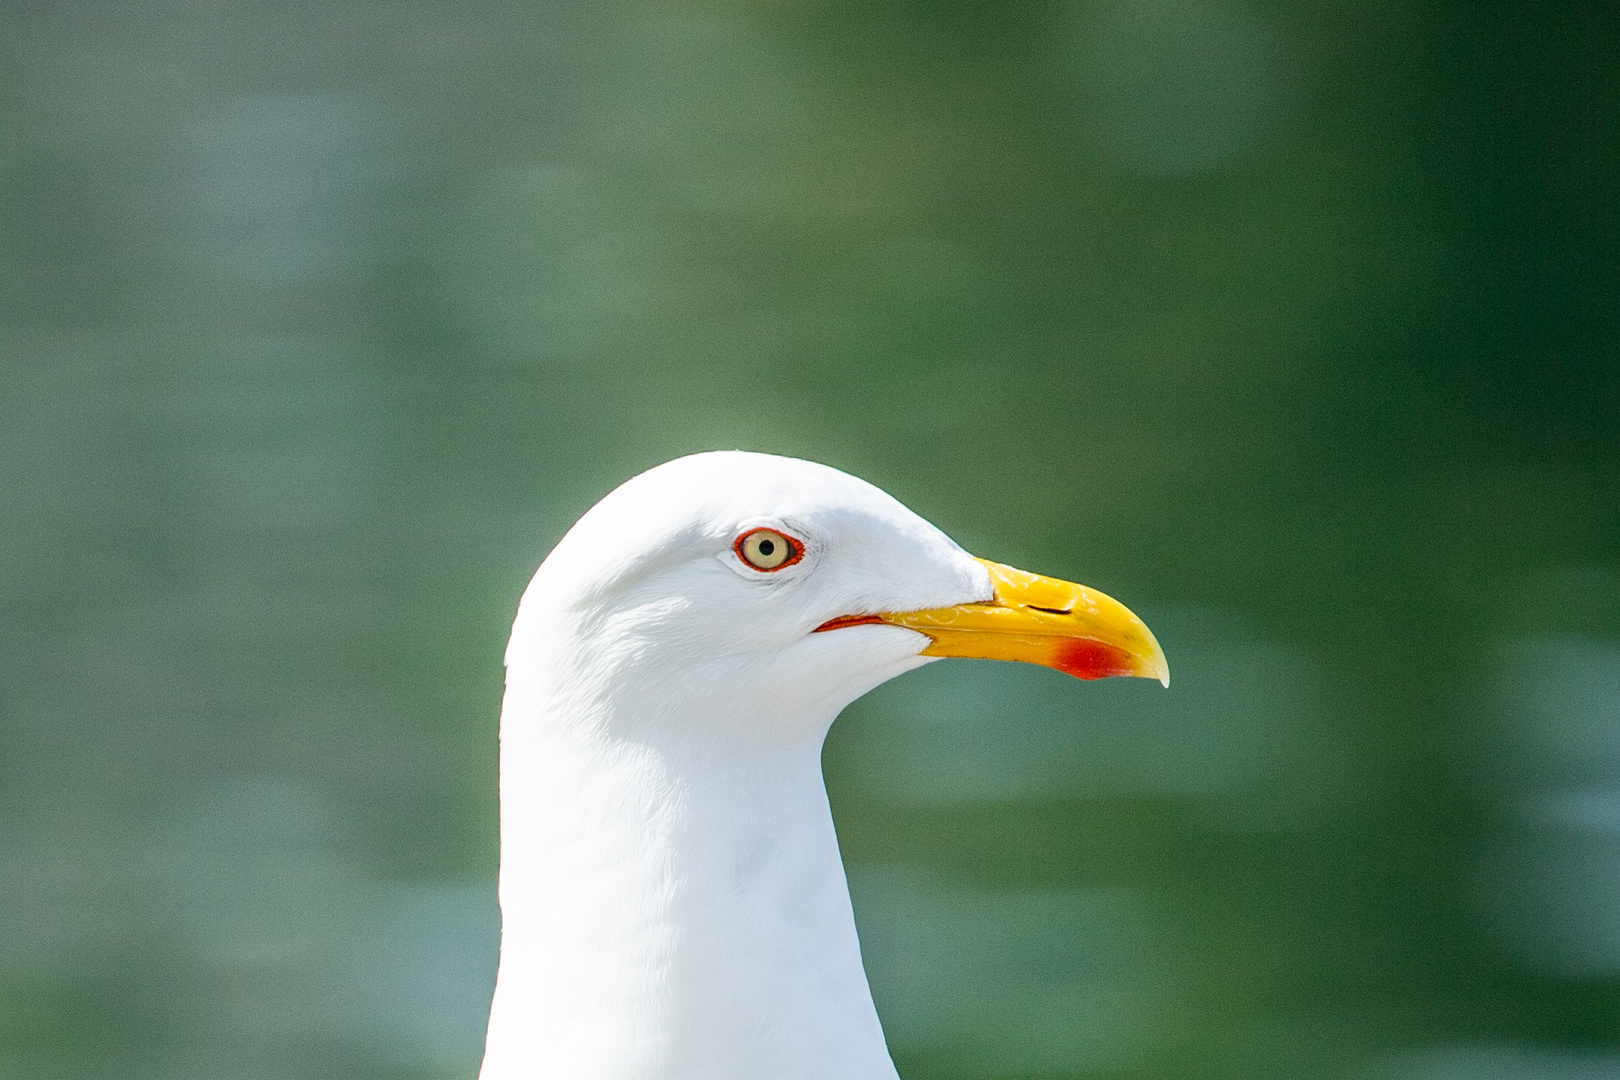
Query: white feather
{"points": [[673, 902]]}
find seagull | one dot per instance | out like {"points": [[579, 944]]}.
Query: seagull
{"points": [[673, 903]]}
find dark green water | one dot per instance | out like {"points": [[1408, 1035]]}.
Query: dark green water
{"points": [[1296, 326]]}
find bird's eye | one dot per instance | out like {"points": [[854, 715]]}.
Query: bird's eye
{"points": [[767, 549]]}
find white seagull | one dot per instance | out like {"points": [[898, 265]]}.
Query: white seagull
{"points": [[672, 900]]}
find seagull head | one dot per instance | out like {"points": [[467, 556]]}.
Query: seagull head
{"points": [[746, 598], [673, 900]]}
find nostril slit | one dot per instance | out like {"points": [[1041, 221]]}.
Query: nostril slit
{"points": [[1052, 610]]}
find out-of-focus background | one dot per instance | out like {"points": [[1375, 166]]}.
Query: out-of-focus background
{"points": [[1295, 325]]}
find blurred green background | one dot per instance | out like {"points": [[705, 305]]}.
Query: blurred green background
{"points": [[1295, 325]]}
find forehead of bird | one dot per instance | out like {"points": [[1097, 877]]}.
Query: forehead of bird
{"points": [[862, 546]]}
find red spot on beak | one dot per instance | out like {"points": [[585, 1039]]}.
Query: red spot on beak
{"points": [[1093, 660]]}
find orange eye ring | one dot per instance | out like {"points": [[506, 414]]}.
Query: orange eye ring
{"points": [[767, 550]]}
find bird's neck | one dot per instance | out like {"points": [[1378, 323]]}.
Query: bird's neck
{"points": [[671, 910]]}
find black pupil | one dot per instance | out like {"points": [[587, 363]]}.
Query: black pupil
{"points": [[767, 547]]}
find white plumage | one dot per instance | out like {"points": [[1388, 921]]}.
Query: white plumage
{"points": [[673, 902]]}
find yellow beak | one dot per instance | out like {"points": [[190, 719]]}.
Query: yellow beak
{"points": [[1038, 620]]}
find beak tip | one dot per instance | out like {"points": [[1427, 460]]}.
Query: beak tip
{"points": [[1158, 667]]}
